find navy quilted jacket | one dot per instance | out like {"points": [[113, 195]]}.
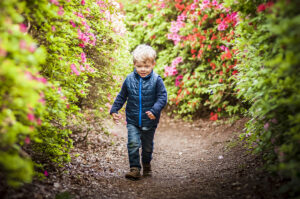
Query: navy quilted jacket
{"points": [[142, 95]]}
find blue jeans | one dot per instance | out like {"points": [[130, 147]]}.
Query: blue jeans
{"points": [[137, 137]]}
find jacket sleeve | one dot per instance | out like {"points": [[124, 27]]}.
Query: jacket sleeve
{"points": [[120, 99], [162, 97]]}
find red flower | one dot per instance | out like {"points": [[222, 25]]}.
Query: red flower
{"points": [[234, 72], [213, 65], [193, 51], [213, 117], [153, 37], [179, 7], [226, 55], [220, 80], [219, 109], [261, 7]]}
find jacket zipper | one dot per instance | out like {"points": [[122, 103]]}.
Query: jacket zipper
{"points": [[140, 99]]}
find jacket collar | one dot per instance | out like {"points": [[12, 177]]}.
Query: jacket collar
{"points": [[138, 76]]}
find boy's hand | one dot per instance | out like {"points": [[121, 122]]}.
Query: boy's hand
{"points": [[150, 115], [116, 117]]}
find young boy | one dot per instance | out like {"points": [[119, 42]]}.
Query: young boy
{"points": [[146, 96]]}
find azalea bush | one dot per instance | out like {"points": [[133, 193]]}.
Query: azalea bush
{"points": [[195, 55], [269, 58], [53, 54]]}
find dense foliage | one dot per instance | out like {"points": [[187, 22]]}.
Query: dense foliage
{"points": [[195, 54], [269, 59], [52, 54]]}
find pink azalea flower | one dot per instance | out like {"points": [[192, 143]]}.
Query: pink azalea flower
{"points": [[82, 68], [60, 11], [72, 23], [30, 117], [78, 14], [88, 9], [83, 2], [55, 2], [42, 80], [45, 173], [23, 27], [205, 4], [224, 48], [181, 17], [177, 81], [215, 3], [27, 140], [68, 106], [150, 16], [83, 57], [176, 61], [74, 69], [32, 48], [193, 6], [170, 71], [22, 44], [222, 26]]}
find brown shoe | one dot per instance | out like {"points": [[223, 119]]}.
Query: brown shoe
{"points": [[147, 172], [133, 174]]}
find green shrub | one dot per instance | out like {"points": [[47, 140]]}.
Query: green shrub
{"points": [[194, 53], [269, 59], [51, 55]]}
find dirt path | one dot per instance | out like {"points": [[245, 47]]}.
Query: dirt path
{"points": [[189, 161]]}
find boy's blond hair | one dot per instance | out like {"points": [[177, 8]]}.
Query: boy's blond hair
{"points": [[143, 53]]}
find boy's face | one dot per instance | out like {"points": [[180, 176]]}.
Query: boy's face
{"points": [[144, 68]]}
